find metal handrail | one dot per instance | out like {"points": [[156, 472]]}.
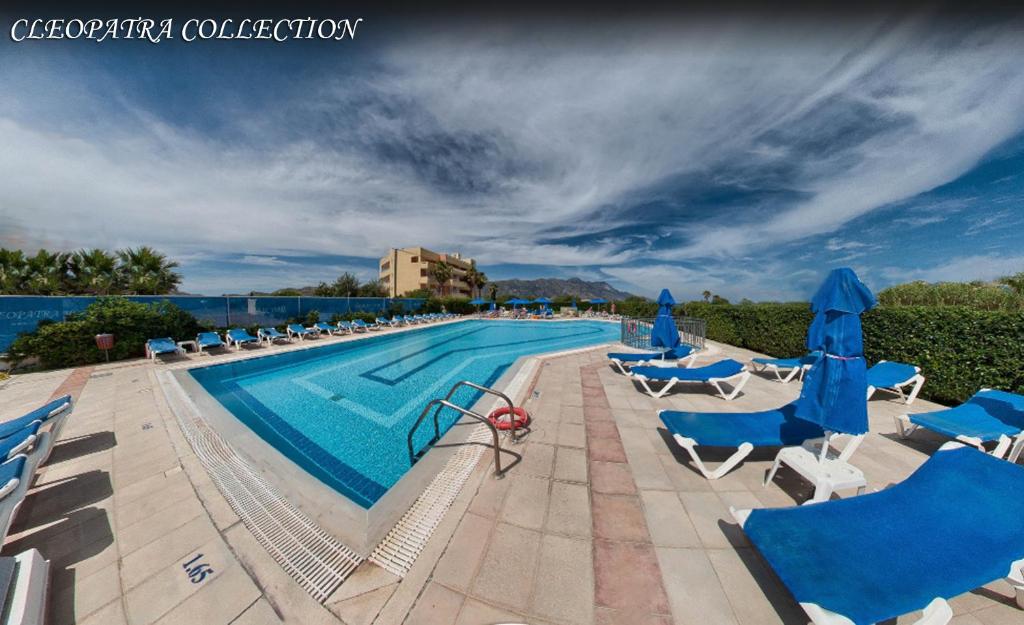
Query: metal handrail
{"points": [[439, 403]]}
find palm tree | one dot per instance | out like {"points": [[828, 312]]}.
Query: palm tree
{"points": [[93, 271], [707, 296], [45, 273], [442, 272], [12, 271], [493, 291], [145, 271], [476, 279]]}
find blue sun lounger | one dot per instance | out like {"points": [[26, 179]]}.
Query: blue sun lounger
{"points": [[795, 366], [894, 377], [155, 347], [989, 416], [53, 415], [240, 336], [952, 526], [745, 431], [684, 354], [271, 334], [295, 329], [728, 371], [324, 327], [207, 340], [358, 325]]}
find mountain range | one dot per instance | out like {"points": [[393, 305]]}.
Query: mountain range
{"points": [[554, 287]]}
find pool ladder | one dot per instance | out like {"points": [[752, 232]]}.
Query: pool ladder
{"points": [[438, 403]]}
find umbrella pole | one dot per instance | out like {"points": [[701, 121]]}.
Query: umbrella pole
{"points": [[824, 447]]}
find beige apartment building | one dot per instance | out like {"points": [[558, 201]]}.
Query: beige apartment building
{"points": [[409, 268]]}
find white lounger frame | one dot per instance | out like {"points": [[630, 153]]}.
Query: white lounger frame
{"points": [[263, 336], [917, 381], [686, 362], [828, 472], [937, 612], [178, 349], [26, 599], [737, 382], [1014, 445], [797, 371]]}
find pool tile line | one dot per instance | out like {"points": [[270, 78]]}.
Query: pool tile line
{"points": [[628, 583]]}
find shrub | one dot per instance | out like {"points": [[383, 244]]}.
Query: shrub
{"points": [[458, 305], [959, 349], [635, 307], [72, 342], [977, 295]]}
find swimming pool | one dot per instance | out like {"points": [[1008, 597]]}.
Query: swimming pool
{"points": [[343, 411]]}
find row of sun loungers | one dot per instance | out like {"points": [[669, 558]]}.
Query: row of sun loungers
{"points": [[25, 444], [848, 561], [237, 337]]}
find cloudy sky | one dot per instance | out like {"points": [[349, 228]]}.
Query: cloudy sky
{"points": [[742, 154]]}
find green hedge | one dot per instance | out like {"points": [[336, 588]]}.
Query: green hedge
{"points": [[72, 342], [959, 349]]}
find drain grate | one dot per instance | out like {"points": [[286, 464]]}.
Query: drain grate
{"points": [[314, 558], [403, 544]]}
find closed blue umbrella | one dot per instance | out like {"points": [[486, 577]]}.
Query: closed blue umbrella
{"points": [[664, 332], [834, 394]]}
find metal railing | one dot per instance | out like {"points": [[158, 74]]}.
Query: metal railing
{"points": [[438, 403], [636, 331]]}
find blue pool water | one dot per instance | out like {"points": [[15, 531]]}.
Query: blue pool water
{"points": [[343, 411]]}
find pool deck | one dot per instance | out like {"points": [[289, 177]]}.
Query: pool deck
{"points": [[604, 521]]}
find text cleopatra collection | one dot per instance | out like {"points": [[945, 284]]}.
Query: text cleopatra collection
{"points": [[155, 31]]}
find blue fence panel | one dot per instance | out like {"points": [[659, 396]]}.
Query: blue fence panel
{"points": [[22, 313]]}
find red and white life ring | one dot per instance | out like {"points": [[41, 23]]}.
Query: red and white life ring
{"points": [[499, 418]]}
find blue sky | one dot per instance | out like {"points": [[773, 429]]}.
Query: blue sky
{"points": [[746, 156]]}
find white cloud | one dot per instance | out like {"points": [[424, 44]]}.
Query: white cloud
{"points": [[481, 141], [960, 269]]}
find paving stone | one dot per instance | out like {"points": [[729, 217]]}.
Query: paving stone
{"points": [[478, 613], [110, 614], [710, 517], [606, 450], [363, 609], [220, 600], [527, 502], [667, 520], [696, 595], [566, 591], [608, 616], [569, 510], [88, 595], [619, 517], [612, 478], [157, 595], [571, 435], [570, 464], [172, 546], [538, 460], [627, 577], [507, 574], [465, 551], [746, 579], [259, 613], [157, 525], [436, 606]]}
